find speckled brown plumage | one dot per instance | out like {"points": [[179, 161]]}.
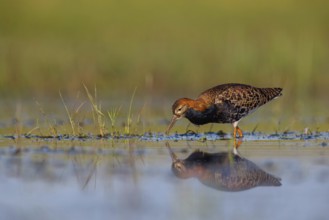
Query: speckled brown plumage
{"points": [[234, 101], [226, 103], [223, 171]]}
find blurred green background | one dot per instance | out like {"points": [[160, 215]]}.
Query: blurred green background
{"points": [[165, 48]]}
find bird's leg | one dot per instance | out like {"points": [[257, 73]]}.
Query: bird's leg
{"points": [[234, 133], [239, 131], [237, 143]]}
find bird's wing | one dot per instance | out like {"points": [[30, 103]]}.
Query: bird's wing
{"points": [[236, 99]]}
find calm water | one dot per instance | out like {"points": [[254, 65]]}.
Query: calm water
{"points": [[102, 179]]}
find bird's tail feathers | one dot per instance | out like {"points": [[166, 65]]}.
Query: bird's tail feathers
{"points": [[272, 93]]}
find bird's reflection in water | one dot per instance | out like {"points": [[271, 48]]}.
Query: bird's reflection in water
{"points": [[223, 171]]}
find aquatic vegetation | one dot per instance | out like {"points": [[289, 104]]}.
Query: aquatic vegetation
{"points": [[113, 115], [50, 124], [68, 114], [129, 115], [97, 112]]}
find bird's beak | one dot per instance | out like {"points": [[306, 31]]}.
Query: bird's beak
{"points": [[172, 154], [173, 120]]}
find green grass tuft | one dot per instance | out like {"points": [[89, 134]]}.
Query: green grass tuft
{"points": [[97, 112]]}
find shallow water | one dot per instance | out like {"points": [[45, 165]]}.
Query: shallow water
{"points": [[125, 179]]}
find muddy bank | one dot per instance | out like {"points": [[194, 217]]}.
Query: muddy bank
{"points": [[192, 136]]}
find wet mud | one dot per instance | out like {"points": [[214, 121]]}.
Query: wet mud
{"points": [[190, 135]]}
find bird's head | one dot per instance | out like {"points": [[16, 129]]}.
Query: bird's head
{"points": [[179, 109], [179, 169], [178, 166]]}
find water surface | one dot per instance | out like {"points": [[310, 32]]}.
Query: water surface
{"points": [[133, 178]]}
